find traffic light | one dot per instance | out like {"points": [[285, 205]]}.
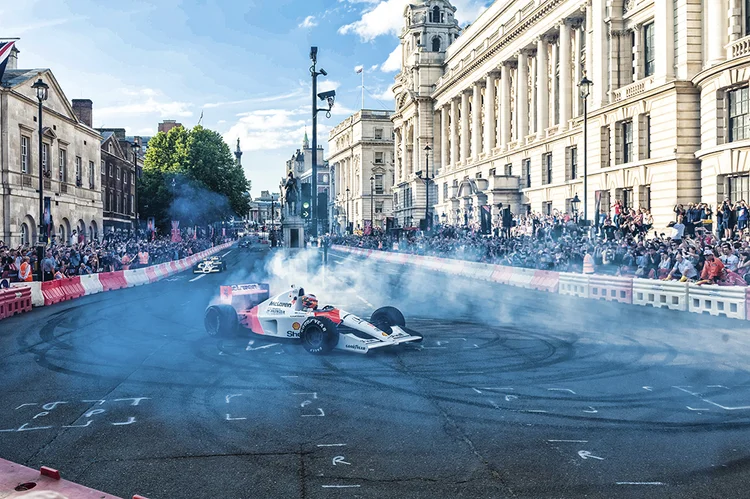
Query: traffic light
{"points": [[306, 209], [306, 201]]}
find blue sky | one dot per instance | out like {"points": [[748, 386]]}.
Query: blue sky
{"points": [[244, 64]]}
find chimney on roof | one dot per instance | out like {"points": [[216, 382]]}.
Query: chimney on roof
{"points": [[13, 58], [83, 110], [166, 125]]}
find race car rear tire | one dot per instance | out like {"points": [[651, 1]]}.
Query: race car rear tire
{"points": [[385, 317], [220, 320], [319, 335]]}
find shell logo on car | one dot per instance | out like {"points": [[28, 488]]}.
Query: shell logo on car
{"points": [[296, 326]]}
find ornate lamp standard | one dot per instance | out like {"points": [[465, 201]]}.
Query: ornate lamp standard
{"points": [[136, 151], [585, 88], [42, 92]]}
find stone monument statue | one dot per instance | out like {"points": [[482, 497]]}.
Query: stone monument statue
{"points": [[291, 194]]}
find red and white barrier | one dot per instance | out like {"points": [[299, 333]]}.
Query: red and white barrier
{"points": [[46, 482], [660, 294], [619, 289], [91, 284], [37, 298], [574, 285]]}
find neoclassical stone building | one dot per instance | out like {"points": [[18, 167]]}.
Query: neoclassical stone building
{"points": [[500, 108], [360, 149], [70, 159]]}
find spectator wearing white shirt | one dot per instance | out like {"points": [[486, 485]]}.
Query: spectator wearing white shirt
{"points": [[678, 230], [730, 260]]}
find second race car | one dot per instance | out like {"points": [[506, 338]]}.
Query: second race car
{"points": [[294, 314], [210, 265]]}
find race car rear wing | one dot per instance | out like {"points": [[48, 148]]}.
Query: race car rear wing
{"points": [[245, 296]]}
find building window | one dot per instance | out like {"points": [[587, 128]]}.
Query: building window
{"points": [[378, 184], [739, 188], [63, 165], [378, 207], [604, 138], [110, 171], [378, 133], [117, 204], [445, 191], [132, 204], [648, 135], [45, 155], [24, 234], [547, 168], [572, 163], [379, 158], [436, 44], [104, 169], [526, 172], [626, 129], [739, 108], [649, 50], [547, 207], [626, 195], [78, 170], [508, 169], [91, 175], [24, 154]]}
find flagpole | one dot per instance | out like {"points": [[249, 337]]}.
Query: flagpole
{"points": [[363, 87]]}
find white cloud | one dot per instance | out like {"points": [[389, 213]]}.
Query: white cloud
{"points": [[374, 67], [270, 98], [144, 101], [387, 95], [386, 18], [393, 62], [309, 22], [467, 11]]}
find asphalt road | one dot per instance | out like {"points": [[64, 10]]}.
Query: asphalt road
{"points": [[513, 393]]}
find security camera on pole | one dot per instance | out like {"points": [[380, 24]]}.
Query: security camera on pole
{"points": [[329, 97]]}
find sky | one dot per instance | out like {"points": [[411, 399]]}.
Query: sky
{"points": [[243, 65]]}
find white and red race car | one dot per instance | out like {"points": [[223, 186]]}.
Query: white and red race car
{"points": [[319, 330]]}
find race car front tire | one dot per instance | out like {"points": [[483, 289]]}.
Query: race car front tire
{"points": [[220, 320], [319, 335], [385, 317]]}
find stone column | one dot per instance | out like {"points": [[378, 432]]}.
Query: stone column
{"points": [[522, 97], [490, 120], [504, 115], [565, 91], [415, 162], [664, 39], [716, 30], [454, 133], [533, 115], [577, 71], [404, 151], [542, 85], [464, 125], [552, 83], [443, 138], [476, 120], [638, 52], [598, 53], [735, 21]]}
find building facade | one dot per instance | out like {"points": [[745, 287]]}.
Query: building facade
{"points": [[502, 112], [70, 155], [301, 165], [360, 152], [119, 166], [265, 210]]}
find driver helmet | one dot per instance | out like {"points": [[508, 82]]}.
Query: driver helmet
{"points": [[310, 301]]}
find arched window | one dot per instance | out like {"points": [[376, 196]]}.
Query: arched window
{"points": [[24, 234], [436, 14], [436, 44]]}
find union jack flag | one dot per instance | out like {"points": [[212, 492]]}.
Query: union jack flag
{"points": [[5, 49]]}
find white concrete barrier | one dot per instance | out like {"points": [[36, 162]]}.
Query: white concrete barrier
{"points": [[574, 285], [91, 284], [660, 294], [37, 298], [728, 301]]}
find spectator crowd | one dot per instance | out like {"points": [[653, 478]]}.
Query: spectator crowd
{"points": [[113, 252], [624, 243]]}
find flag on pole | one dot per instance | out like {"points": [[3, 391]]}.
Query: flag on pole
{"points": [[359, 69], [5, 50]]}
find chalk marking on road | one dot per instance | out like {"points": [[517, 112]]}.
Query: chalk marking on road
{"points": [[305, 403], [717, 386], [136, 400], [568, 441], [510, 398], [439, 343], [222, 353], [561, 390], [366, 302], [331, 445], [40, 414], [534, 410], [340, 460], [640, 483], [94, 412], [23, 405], [476, 346], [648, 388], [698, 408], [199, 277], [229, 418], [314, 394], [99, 402], [476, 390], [225, 254], [52, 405], [584, 454], [590, 410], [315, 415], [495, 405], [79, 425], [341, 486], [130, 420], [23, 428], [469, 372], [290, 376], [250, 349], [230, 397], [726, 408], [432, 348], [496, 388]]}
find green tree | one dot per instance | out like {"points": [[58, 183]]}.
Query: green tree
{"points": [[191, 176]]}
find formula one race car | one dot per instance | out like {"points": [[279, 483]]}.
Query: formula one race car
{"points": [[210, 265], [294, 314]]}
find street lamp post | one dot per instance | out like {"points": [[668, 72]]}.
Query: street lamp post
{"points": [[329, 97], [574, 204], [372, 208], [136, 150], [346, 218], [42, 90], [427, 218], [585, 89]]}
